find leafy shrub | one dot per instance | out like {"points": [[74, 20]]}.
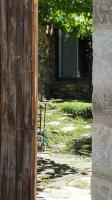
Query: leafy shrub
{"points": [[82, 145], [51, 106], [77, 109]]}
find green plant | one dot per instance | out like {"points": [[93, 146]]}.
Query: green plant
{"points": [[81, 145], [72, 16], [77, 109], [51, 106], [60, 140]]}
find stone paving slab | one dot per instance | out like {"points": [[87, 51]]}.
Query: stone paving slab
{"points": [[68, 193], [68, 186]]}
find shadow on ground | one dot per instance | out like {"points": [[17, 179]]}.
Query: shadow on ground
{"points": [[54, 170]]}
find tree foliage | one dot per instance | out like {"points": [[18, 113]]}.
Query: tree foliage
{"points": [[72, 16]]}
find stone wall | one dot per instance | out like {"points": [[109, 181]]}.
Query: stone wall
{"points": [[102, 101], [80, 89]]}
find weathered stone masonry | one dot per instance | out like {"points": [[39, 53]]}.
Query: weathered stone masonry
{"points": [[48, 83], [102, 101]]}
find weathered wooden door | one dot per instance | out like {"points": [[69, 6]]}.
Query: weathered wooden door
{"points": [[18, 63]]}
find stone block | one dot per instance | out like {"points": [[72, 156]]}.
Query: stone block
{"points": [[102, 71], [102, 149], [102, 53], [102, 102], [101, 189], [102, 12]]}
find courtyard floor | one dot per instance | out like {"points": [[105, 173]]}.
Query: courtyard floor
{"points": [[63, 176]]}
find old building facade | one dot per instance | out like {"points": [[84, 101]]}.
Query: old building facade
{"points": [[65, 64]]}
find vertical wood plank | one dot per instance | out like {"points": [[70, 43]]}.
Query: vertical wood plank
{"points": [[34, 91], [3, 100], [11, 98], [18, 98]]}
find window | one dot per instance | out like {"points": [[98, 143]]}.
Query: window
{"points": [[73, 57]]}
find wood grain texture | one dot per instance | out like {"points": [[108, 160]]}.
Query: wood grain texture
{"points": [[18, 98]]}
